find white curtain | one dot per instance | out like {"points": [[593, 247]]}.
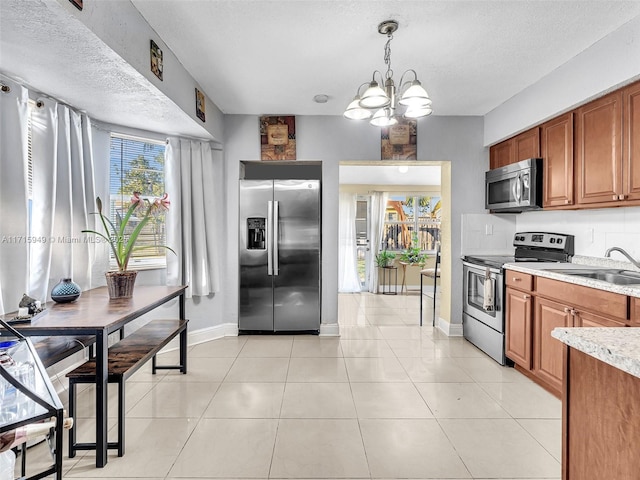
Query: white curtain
{"points": [[192, 228], [63, 198], [376, 223], [348, 280], [13, 195]]}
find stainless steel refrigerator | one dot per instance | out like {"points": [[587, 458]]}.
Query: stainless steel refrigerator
{"points": [[279, 255]]}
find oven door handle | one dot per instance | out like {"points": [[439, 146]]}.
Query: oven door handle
{"points": [[480, 269]]}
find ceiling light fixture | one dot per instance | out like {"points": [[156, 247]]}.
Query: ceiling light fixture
{"points": [[379, 103]]}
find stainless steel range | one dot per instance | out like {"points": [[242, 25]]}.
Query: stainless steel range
{"points": [[483, 318]]}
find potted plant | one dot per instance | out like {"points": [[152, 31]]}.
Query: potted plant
{"points": [[413, 255], [120, 282], [385, 258]]}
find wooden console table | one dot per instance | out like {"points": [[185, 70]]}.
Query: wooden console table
{"points": [[95, 314]]}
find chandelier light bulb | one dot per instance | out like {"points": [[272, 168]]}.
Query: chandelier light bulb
{"points": [[384, 118], [374, 97], [415, 96], [355, 112], [418, 112]]}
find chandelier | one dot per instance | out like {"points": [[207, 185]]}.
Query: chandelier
{"points": [[381, 104]]}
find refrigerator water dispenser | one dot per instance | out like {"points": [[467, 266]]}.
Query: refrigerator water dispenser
{"points": [[256, 233]]}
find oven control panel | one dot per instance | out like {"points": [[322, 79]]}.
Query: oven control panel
{"points": [[554, 241]]}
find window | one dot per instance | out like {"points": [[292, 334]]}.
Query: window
{"points": [[137, 165], [408, 215]]}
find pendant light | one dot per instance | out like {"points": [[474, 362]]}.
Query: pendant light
{"points": [[381, 100]]}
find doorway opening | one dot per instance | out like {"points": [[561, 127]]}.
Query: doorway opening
{"points": [[398, 206]]}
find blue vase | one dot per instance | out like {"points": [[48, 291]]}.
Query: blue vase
{"points": [[65, 291]]}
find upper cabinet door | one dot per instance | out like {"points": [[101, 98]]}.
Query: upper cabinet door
{"points": [[599, 150], [501, 154], [527, 144], [631, 149], [557, 155]]}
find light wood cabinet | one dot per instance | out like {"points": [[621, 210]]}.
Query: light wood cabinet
{"points": [[547, 351], [598, 149], [557, 160], [519, 308], [631, 142], [521, 147], [535, 305], [501, 154], [600, 420], [635, 312], [586, 319]]}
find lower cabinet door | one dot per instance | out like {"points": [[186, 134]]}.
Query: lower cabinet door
{"points": [[547, 351], [584, 319], [518, 327]]}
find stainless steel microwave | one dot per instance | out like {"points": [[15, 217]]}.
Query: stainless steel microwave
{"points": [[514, 188]]}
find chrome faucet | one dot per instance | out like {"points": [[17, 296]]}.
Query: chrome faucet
{"points": [[618, 249]]}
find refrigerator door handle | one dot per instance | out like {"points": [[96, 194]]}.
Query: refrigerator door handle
{"points": [[269, 238], [276, 221]]}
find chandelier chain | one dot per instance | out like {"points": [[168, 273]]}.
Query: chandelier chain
{"points": [[387, 56]]}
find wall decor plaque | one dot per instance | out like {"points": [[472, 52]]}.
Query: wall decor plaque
{"points": [[200, 104], [400, 141], [278, 137], [156, 60]]}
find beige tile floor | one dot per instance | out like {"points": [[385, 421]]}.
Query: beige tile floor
{"points": [[386, 400]]}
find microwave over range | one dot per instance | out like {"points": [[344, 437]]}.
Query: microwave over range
{"points": [[514, 188]]}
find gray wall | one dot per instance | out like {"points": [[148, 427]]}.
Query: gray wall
{"points": [[333, 139]]}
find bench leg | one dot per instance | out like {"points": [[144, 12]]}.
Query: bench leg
{"points": [[183, 351], [72, 414], [121, 415]]}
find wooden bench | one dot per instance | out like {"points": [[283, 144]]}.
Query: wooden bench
{"points": [[125, 358], [52, 350]]}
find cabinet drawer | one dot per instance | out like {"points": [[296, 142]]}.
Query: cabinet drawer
{"points": [[597, 301], [635, 312], [521, 281]]}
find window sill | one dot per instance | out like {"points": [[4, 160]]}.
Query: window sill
{"points": [[147, 264]]}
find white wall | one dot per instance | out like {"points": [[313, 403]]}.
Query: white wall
{"points": [[606, 65], [334, 139]]}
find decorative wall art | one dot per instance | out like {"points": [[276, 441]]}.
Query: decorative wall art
{"points": [[400, 141], [200, 104], [77, 4], [156, 60], [278, 138]]}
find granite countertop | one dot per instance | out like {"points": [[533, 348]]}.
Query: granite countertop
{"points": [[542, 269], [619, 347]]}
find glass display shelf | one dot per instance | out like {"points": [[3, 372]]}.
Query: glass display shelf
{"points": [[27, 395]]}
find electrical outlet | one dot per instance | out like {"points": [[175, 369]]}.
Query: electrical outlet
{"points": [[488, 229]]}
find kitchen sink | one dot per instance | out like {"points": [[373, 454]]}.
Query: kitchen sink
{"points": [[615, 276]]}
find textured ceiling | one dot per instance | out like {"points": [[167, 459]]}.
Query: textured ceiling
{"points": [[256, 57], [272, 57]]}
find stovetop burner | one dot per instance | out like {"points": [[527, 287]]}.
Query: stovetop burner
{"points": [[531, 247]]}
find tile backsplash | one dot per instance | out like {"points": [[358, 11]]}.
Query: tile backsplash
{"points": [[595, 230], [483, 233]]}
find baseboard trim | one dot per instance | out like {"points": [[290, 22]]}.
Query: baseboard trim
{"points": [[212, 333], [448, 328], [329, 330]]}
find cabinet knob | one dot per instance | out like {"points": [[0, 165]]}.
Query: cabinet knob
{"points": [[615, 197], [566, 202], [516, 279], [526, 297], [567, 310], [621, 197]]}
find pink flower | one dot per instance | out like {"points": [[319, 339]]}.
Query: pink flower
{"points": [[136, 197], [162, 203]]}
